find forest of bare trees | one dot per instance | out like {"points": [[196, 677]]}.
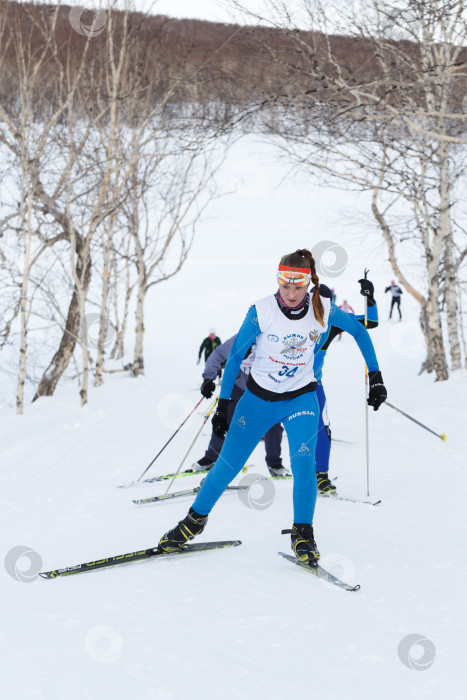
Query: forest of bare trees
{"points": [[113, 124], [103, 179]]}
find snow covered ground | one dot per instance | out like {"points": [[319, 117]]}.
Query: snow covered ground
{"points": [[242, 623]]}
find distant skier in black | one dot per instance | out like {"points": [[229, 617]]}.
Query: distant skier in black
{"points": [[208, 345], [396, 292]]}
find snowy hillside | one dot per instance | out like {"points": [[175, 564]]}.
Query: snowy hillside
{"points": [[241, 623]]}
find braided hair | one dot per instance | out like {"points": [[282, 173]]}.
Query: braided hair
{"points": [[303, 258]]}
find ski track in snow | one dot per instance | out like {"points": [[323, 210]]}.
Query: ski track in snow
{"points": [[241, 623]]}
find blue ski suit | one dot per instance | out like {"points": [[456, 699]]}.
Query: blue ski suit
{"points": [[255, 415]]}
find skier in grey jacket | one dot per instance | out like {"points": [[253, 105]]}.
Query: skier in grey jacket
{"points": [[272, 439], [396, 292]]}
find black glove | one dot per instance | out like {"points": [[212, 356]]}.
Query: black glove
{"points": [[207, 388], [220, 425], [378, 393], [367, 289]]}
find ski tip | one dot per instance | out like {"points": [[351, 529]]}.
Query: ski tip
{"points": [[317, 570], [230, 543], [49, 574], [287, 556]]}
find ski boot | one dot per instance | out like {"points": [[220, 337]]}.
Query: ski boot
{"points": [[324, 483], [303, 543], [279, 471], [186, 530], [202, 464]]}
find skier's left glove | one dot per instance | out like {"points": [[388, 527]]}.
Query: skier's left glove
{"points": [[208, 388], [378, 393], [219, 421], [368, 290]]}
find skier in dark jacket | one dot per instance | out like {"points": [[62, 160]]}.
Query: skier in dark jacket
{"points": [[208, 345]]}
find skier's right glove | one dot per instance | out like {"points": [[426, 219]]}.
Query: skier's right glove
{"points": [[208, 388], [368, 290], [378, 393], [220, 425]]}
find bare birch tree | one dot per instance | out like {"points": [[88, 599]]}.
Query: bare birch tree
{"points": [[162, 219]]}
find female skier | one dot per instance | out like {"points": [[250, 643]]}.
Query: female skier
{"points": [[281, 388]]}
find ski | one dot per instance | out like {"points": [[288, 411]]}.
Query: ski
{"points": [[335, 496], [321, 573], [163, 477], [287, 478], [186, 492], [132, 557], [174, 475], [338, 497]]}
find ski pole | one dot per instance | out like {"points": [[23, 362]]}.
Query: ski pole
{"points": [[170, 439], [195, 438], [367, 436], [441, 436]]}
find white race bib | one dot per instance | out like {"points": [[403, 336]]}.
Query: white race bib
{"points": [[285, 348]]}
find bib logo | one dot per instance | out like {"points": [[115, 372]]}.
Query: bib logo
{"points": [[313, 335], [293, 346], [273, 338], [241, 422]]}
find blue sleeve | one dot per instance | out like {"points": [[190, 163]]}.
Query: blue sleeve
{"points": [[372, 315], [246, 336], [216, 359], [350, 324]]}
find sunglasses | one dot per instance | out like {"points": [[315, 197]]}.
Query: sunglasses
{"points": [[295, 277]]}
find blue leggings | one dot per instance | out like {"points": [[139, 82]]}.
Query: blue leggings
{"points": [[252, 419], [323, 447]]}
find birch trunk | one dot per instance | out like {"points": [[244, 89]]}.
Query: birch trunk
{"points": [[434, 332], [445, 231], [428, 364], [82, 286], [142, 286], [24, 311], [452, 310], [461, 316], [61, 359], [138, 361], [118, 349], [103, 321]]}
